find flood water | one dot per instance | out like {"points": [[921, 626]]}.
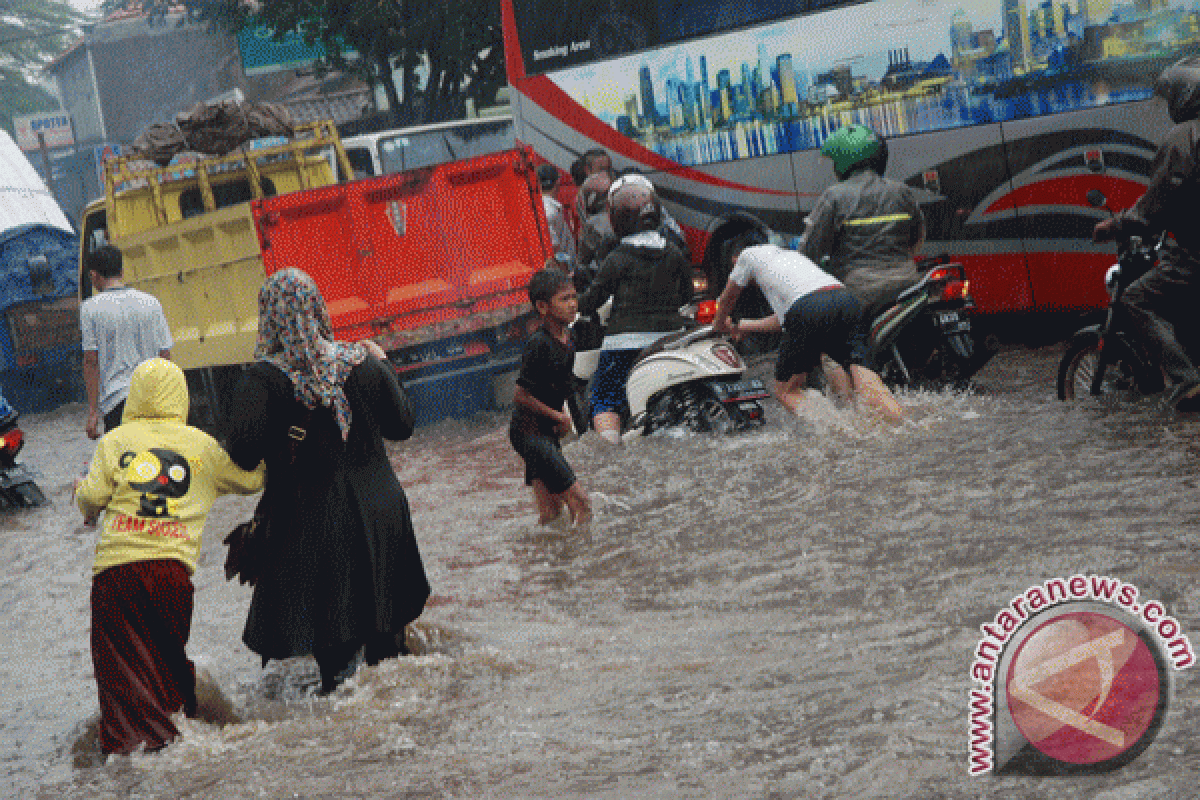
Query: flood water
{"points": [[790, 613]]}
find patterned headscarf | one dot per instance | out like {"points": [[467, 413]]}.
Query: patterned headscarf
{"points": [[295, 334]]}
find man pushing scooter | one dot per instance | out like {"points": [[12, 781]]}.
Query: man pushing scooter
{"points": [[816, 313]]}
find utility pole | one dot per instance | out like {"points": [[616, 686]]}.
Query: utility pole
{"points": [[47, 167]]}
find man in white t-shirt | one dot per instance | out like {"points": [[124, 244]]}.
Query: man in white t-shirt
{"points": [[121, 327], [561, 236], [816, 313]]}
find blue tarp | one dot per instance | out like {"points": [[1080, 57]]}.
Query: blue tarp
{"points": [[37, 374]]}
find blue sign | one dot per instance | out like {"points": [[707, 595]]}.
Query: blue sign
{"points": [[262, 53]]}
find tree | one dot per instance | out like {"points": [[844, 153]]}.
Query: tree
{"points": [[458, 41], [32, 32]]}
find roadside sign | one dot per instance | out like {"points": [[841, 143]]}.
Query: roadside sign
{"points": [[55, 126], [261, 54]]}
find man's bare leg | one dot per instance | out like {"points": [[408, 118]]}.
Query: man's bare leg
{"points": [[839, 382], [549, 506], [790, 393], [869, 387], [608, 425], [580, 506]]}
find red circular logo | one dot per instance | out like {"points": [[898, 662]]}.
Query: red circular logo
{"points": [[1084, 688]]}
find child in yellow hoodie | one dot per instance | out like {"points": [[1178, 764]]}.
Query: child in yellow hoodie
{"points": [[156, 478]]}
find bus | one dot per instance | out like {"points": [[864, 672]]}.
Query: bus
{"points": [[1000, 114], [400, 149]]}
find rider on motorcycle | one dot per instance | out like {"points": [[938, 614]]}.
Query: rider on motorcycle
{"points": [[1170, 290], [648, 279], [868, 226]]}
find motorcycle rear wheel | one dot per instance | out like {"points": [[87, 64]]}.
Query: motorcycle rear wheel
{"points": [[713, 417], [1123, 374]]}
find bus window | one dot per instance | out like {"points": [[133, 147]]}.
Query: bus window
{"points": [[428, 148], [489, 137], [391, 154], [360, 160]]}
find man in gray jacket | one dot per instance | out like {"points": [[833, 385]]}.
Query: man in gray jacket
{"points": [[1169, 294], [869, 227]]}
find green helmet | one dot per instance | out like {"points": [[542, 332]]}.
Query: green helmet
{"points": [[854, 146]]}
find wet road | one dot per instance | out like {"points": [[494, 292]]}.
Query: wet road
{"points": [[790, 613]]}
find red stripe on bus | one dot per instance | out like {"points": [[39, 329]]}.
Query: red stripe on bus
{"points": [[547, 94], [1071, 190], [514, 62]]}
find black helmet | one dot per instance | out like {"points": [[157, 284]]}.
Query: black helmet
{"points": [[633, 206], [1179, 85], [547, 175]]}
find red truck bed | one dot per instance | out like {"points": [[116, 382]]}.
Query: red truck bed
{"points": [[433, 263]]}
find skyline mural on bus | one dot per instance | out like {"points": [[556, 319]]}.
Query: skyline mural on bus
{"points": [[897, 66]]}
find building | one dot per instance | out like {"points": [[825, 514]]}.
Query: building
{"points": [[128, 72], [789, 98], [1016, 33], [649, 110]]}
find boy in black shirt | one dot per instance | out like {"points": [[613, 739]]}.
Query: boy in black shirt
{"points": [[544, 383]]}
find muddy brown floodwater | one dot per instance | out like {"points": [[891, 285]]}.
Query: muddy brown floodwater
{"points": [[790, 613]]}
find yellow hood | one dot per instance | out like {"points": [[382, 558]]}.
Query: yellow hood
{"points": [[157, 390]]}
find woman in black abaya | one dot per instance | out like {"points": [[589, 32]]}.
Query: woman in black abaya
{"points": [[340, 570]]}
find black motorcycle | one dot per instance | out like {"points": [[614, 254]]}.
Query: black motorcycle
{"points": [[1107, 359], [17, 488], [924, 337]]}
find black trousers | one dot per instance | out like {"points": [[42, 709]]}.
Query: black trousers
{"points": [[113, 418], [1157, 304]]}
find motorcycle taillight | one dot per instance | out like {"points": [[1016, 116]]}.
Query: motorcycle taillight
{"points": [[706, 312], [11, 442], [955, 291]]}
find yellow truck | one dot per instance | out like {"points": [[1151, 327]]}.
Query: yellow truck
{"points": [[431, 263], [187, 235]]}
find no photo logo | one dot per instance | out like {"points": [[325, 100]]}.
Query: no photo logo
{"points": [[1073, 676]]}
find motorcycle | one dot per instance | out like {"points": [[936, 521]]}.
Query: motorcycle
{"points": [[924, 337], [17, 487], [1107, 359], [691, 379]]}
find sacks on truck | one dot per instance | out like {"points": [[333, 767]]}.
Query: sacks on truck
{"points": [[213, 128]]}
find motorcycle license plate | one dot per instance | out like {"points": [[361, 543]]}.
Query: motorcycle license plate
{"points": [[737, 391], [952, 322]]}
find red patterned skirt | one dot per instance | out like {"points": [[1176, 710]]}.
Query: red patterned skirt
{"points": [[141, 620]]}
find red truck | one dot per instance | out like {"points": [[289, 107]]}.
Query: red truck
{"points": [[432, 264]]}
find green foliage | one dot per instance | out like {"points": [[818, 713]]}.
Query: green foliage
{"points": [[458, 40], [32, 33]]}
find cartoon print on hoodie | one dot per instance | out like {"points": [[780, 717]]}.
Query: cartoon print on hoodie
{"points": [[160, 475]]}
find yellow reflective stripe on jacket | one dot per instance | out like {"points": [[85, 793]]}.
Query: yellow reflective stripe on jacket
{"points": [[879, 220]]}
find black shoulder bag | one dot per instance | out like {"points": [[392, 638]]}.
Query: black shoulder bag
{"points": [[248, 541]]}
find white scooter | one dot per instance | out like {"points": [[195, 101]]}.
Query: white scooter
{"points": [[691, 378]]}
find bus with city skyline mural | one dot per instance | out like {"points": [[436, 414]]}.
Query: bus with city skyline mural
{"points": [[1000, 114]]}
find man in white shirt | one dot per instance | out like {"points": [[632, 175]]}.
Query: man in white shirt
{"points": [[816, 313], [560, 231], [121, 327]]}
